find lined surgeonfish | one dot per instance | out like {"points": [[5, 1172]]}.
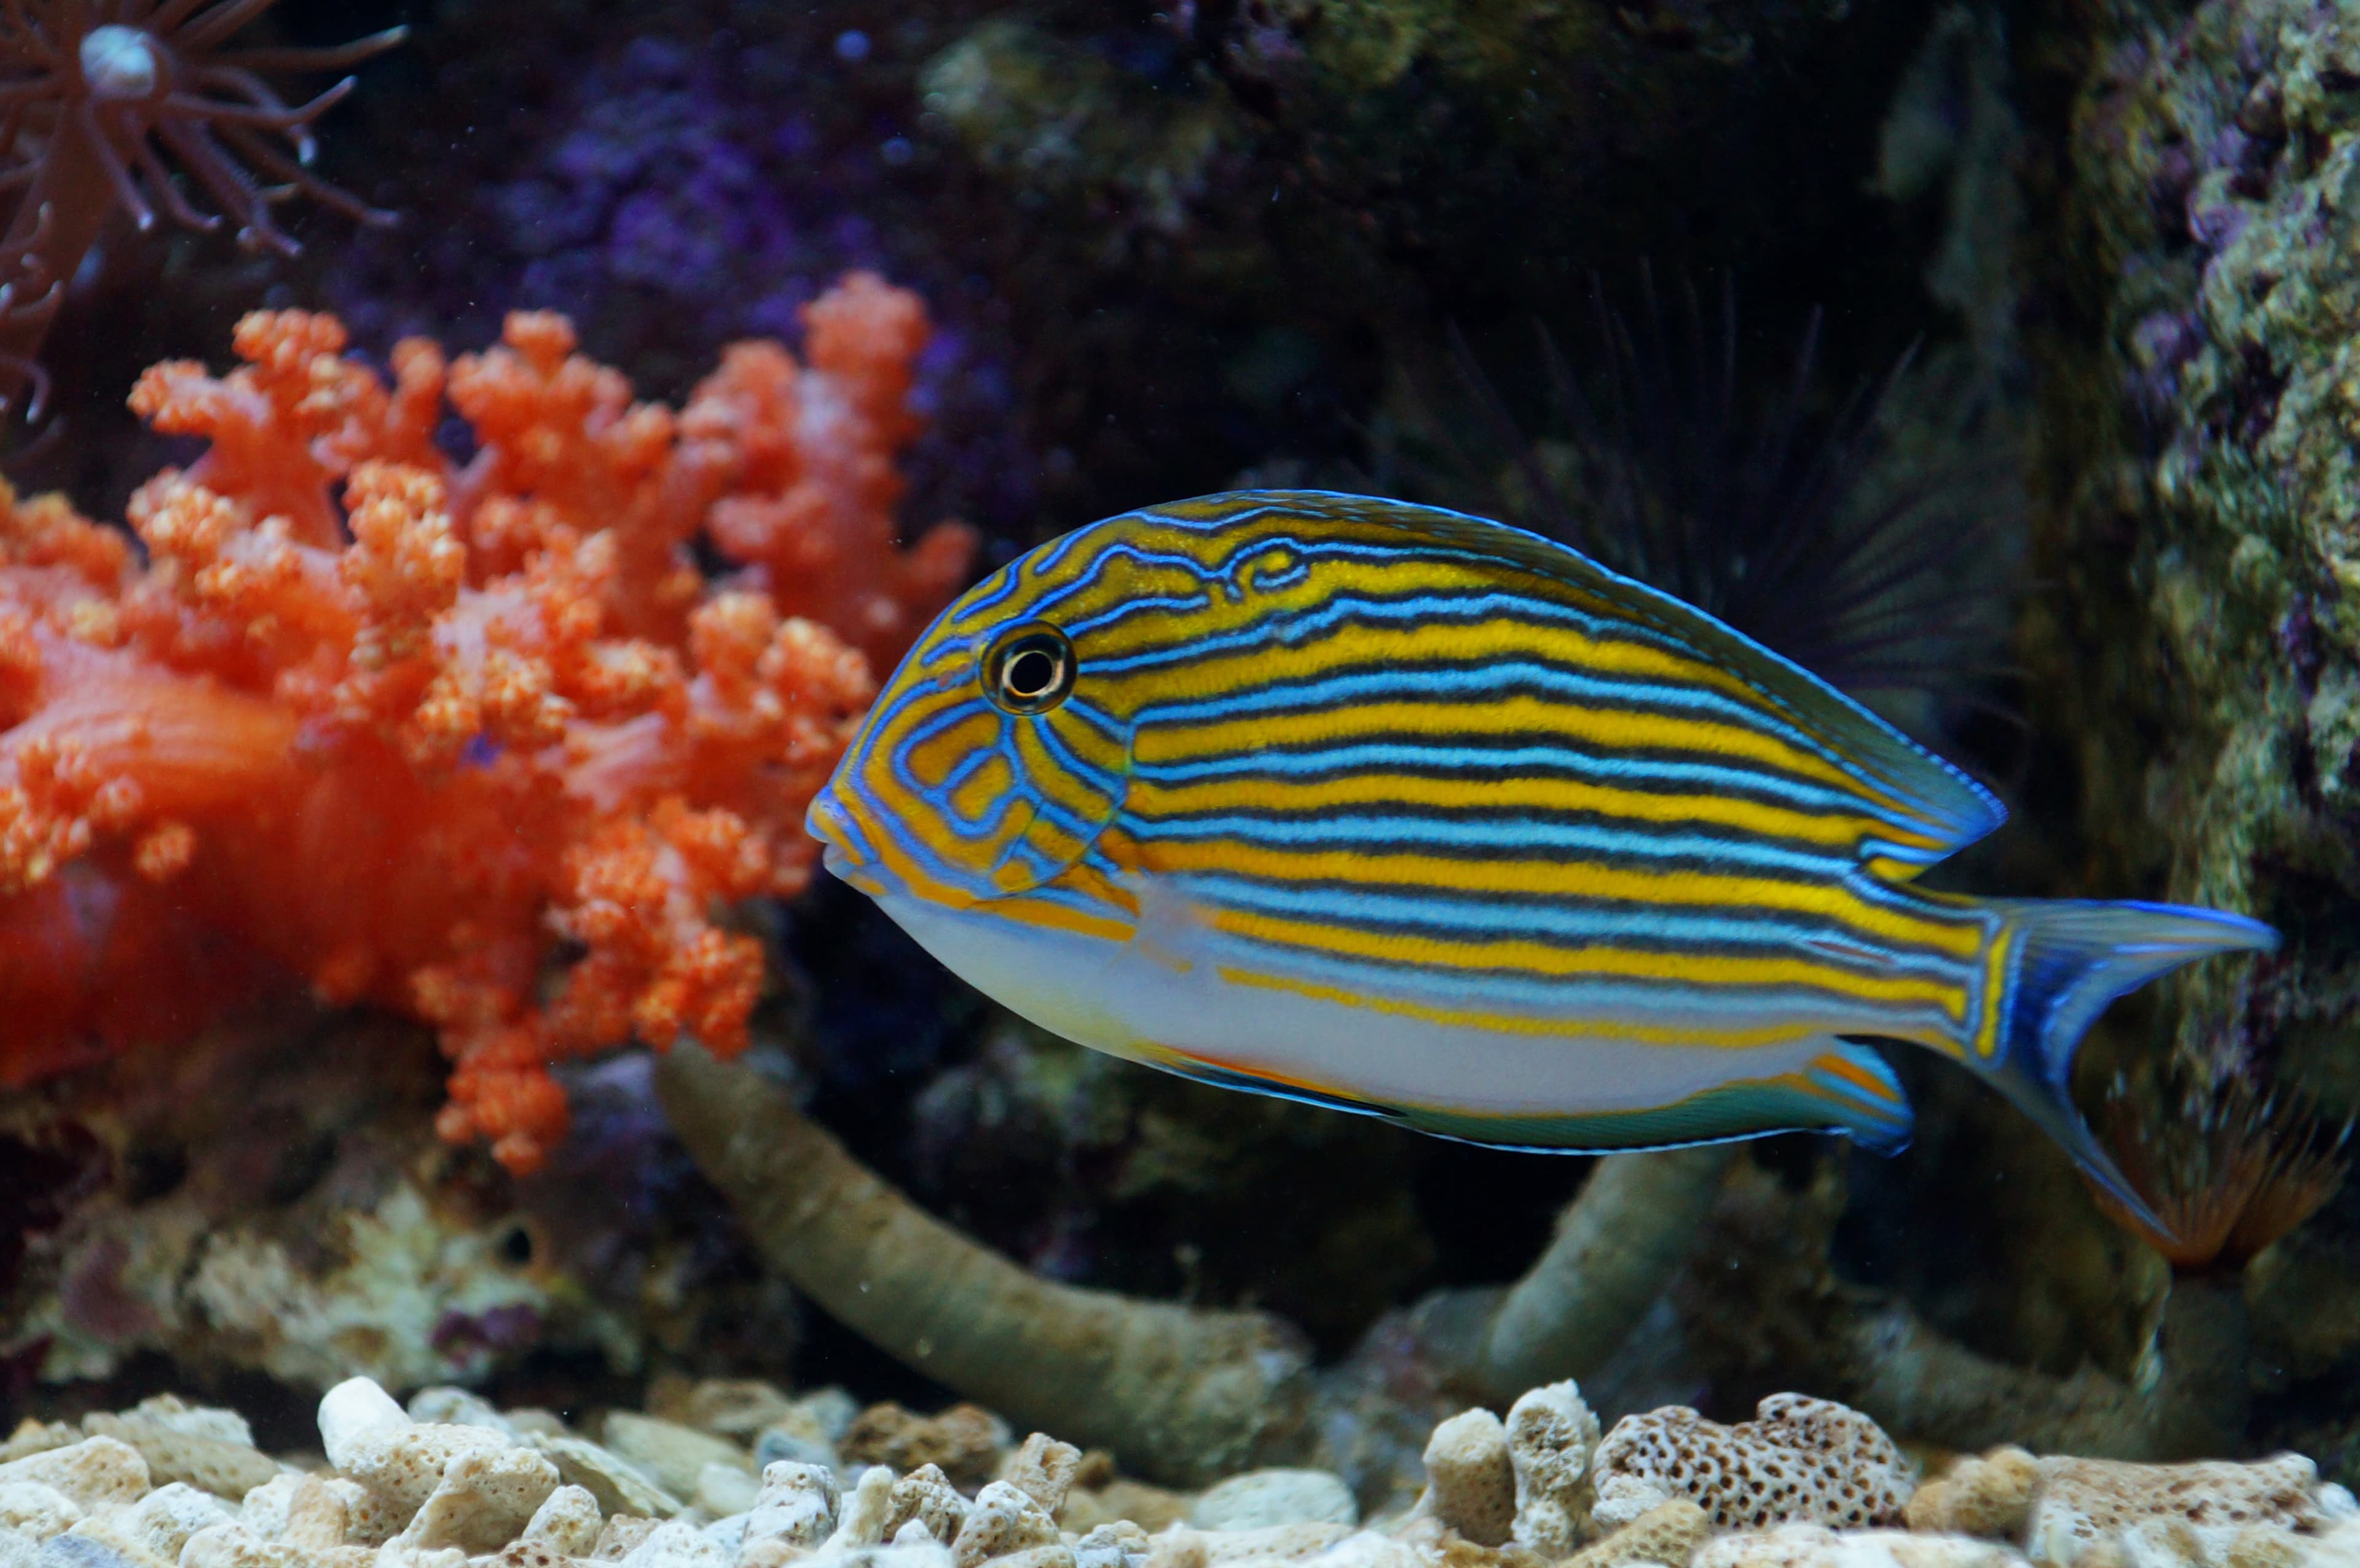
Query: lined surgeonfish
{"points": [[1403, 811]]}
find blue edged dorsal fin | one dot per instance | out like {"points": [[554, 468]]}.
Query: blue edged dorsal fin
{"points": [[1947, 807]]}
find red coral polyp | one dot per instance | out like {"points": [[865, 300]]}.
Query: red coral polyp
{"points": [[417, 731]]}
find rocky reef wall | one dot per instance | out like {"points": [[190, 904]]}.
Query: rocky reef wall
{"points": [[2198, 648]]}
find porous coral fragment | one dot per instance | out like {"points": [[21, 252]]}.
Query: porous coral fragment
{"points": [[1800, 1461], [1470, 1483], [1989, 1495], [401, 726], [1552, 1436], [2082, 1503]]}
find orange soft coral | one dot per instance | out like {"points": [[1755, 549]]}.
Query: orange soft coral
{"points": [[813, 514], [409, 729]]}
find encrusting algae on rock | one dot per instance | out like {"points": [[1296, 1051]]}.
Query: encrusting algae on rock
{"points": [[453, 1482]]}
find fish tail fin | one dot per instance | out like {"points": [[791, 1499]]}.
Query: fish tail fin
{"points": [[2066, 960]]}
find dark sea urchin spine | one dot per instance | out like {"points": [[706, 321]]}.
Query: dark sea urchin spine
{"points": [[1795, 520]]}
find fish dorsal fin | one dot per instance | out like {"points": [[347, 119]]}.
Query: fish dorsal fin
{"points": [[1951, 809]]}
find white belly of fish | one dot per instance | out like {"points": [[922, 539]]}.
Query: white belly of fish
{"points": [[1146, 1001]]}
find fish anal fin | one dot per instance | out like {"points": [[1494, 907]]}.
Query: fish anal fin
{"points": [[1845, 1087]]}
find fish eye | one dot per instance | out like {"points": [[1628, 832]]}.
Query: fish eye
{"points": [[1029, 668]]}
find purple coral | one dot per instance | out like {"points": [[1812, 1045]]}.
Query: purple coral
{"points": [[2161, 344], [670, 197]]}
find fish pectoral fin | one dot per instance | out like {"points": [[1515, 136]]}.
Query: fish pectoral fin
{"points": [[1845, 1087], [1169, 930]]}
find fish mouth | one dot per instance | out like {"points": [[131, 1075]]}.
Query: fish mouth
{"points": [[827, 822]]}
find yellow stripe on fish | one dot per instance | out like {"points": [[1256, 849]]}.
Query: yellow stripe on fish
{"points": [[1834, 986], [1404, 811], [1724, 1037]]}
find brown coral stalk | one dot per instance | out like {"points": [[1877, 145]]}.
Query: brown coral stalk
{"points": [[1617, 1247], [1180, 1394], [1887, 1361], [1913, 1379], [1762, 1300]]}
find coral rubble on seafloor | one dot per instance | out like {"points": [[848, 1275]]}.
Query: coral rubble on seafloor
{"points": [[410, 728], [269, 1197], [452, 1482]]}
